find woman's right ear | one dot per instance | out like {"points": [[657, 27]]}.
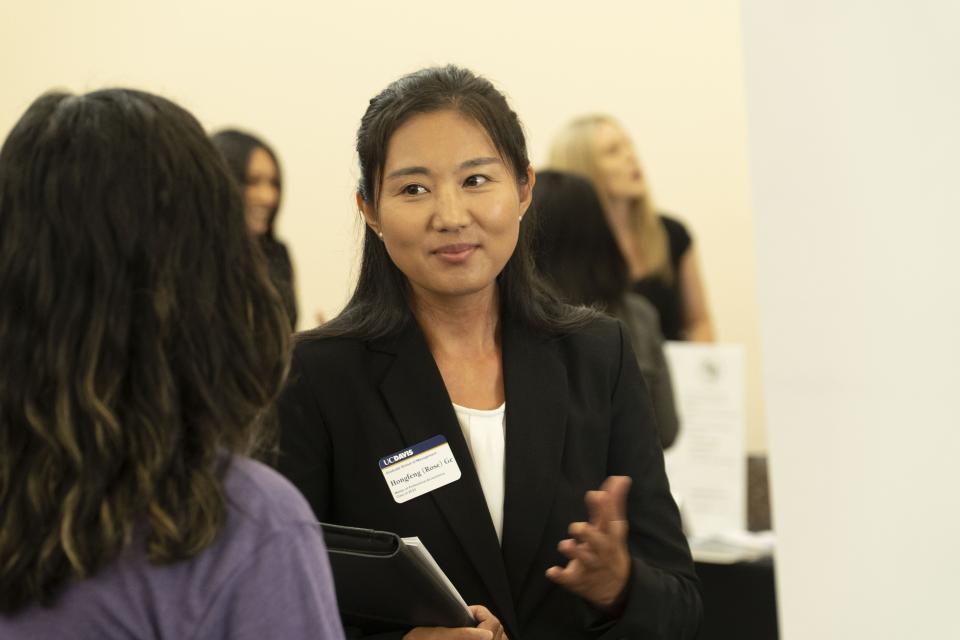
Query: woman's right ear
{"points": [[368, 215]]}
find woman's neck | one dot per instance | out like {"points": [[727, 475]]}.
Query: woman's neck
{"points": [[620, 214], [462, 326]]}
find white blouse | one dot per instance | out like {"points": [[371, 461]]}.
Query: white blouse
{"points": [[484, 431]]}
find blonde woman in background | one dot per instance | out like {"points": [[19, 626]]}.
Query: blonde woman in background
{"points": [[658, 249]]}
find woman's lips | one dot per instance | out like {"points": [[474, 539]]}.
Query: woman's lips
{"points": [[455, 253]]}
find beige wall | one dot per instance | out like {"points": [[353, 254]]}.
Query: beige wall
{"points": [[301, 73], [854, 147]]}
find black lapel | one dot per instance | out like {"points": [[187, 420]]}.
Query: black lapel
{"points": [[535, 381], [414, 391]]}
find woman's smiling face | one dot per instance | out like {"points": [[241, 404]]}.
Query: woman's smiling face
{"points": [[449, 207], [261, 192]]}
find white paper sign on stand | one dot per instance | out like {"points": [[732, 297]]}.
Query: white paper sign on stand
{"points": [[707, 464]]}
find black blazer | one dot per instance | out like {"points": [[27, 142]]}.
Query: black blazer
{"points": [[577, 411]]}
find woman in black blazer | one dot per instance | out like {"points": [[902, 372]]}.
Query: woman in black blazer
{"points": [[447, 321]]}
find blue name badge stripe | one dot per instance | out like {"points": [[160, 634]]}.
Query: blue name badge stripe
{"points": [[420, 447]]}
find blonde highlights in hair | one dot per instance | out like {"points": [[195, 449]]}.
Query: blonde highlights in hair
{"points": [[574, 150], [141, 339]]}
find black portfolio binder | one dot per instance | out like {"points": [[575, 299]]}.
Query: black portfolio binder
{"points": [[384, 584]]}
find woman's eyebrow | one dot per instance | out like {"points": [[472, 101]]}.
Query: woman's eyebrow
{"points": [[479, 162], [408, 171], [415, 170]]}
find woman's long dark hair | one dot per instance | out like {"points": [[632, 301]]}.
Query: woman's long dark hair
{"points": [[380, 305], [575, 250], [141, 338]]}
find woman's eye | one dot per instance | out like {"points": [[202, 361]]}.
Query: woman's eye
{"points": [[414, 189], [476, 181]]}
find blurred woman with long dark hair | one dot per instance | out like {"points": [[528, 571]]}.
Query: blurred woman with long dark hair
{"points": [[255, 167], [575, 250], [142, 343]]}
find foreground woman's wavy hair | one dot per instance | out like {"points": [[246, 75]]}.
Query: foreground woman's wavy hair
{"points": [[140, 339]]}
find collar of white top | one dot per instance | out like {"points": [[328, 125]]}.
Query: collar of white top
{"points": [[480, 412]]}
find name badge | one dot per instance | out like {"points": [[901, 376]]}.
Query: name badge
{"points": [[419, 469]]}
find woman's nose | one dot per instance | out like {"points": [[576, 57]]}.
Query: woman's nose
{"points": [[450, 211], [264, 194]]}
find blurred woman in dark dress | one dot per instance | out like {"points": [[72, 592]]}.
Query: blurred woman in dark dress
{"points": [[576, 252]]}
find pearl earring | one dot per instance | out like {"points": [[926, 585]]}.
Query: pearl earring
{"points": [[380, 233]]}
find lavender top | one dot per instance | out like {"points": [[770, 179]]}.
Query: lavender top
{"points": [[266, 576]]}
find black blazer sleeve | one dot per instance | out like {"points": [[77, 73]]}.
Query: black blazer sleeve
{"points": [[305, 452], [663, 598]]}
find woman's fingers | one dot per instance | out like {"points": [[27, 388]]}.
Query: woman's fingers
{"points": [[564, 576], [597, 508], [617, 488], [488, 628], [444, 633], [600, 542], [599, 560], [480, 612], [487, 621], [582, 552], [609, 504]]}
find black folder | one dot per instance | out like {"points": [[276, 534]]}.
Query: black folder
{"points": [[385, 584]]}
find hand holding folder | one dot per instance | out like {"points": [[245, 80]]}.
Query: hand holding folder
{"points": [[385, 582]]}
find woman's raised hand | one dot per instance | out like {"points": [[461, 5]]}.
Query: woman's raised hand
{"points": [[599, 566]]}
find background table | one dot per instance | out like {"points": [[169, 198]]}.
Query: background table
{"points": [[739, 601]]}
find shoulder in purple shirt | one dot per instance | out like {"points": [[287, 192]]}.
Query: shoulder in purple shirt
{"points": [[267, 575]]}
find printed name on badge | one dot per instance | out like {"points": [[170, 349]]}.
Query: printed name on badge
{"points": [[419, 469]]}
